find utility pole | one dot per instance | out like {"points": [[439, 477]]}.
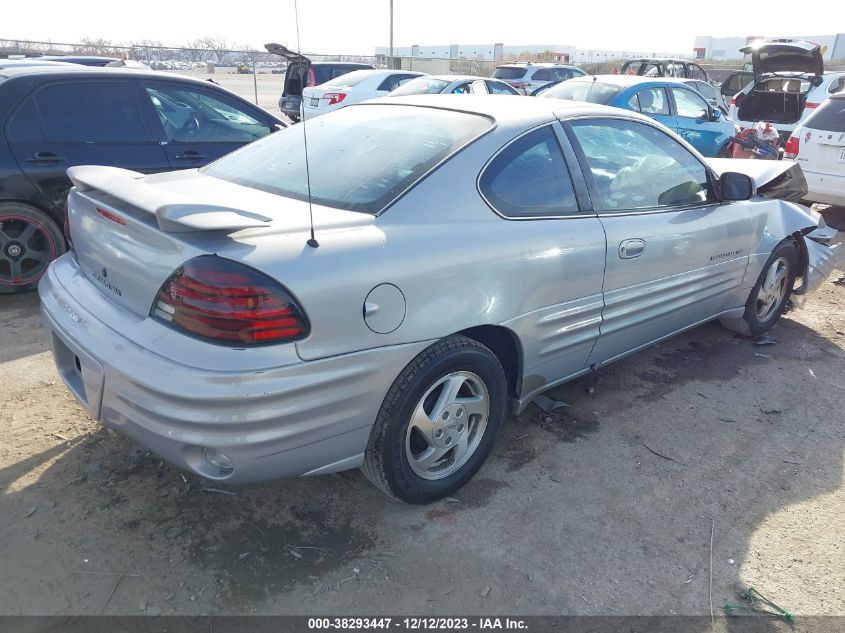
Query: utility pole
{"points": [[391, 34]]}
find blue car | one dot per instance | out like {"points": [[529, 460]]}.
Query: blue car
{"points": [[670, 101]]}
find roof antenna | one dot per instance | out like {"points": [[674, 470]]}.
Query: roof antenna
{"points": [[312, 241]]}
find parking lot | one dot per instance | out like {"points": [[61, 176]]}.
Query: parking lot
{"points": [[602, 507]]}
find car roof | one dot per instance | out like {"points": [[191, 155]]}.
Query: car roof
{"points": [[451, 78], [623, 80], [366, 65], [78, 70], [659, 59], [31, 61], [508, 109], [536, 65]]}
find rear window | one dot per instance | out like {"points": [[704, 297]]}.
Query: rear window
{"points": [[828, 117], [421, 86], [360, 158], [509, 72], [590, 91], [351, 79], [325, 72]]}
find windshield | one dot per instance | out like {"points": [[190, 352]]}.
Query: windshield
{"points": [[590, 91], [509, 72], [421, 86], [830, 116], [360, 158]]}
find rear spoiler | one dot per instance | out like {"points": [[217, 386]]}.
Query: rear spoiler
{"points": [[173, 216]]}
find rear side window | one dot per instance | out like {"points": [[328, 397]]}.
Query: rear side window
{"points": [[562, 73], [577, 90], [90, 112], [829, 116], [25, 125], [347, 80], [542, 74], [530, 178], [509, 72], [650, 101], [360, 158], [394, 81]]}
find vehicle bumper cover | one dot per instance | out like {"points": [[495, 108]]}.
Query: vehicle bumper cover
{"points": [[304, 418], [825, 188]]}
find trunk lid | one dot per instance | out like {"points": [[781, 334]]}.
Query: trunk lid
{"points": [[130, 232], [785, 55]]}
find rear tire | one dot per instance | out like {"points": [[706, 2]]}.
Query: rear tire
{"points": [[438, 422], [29, 241], [770, 295]]}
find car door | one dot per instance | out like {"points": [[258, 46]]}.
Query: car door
{"points": [[80, 122], [675, 254], [694, 122], [654, 103], [197, 125], [535, 184]]}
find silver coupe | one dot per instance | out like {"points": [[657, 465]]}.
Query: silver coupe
{"points": [[436, 262]]}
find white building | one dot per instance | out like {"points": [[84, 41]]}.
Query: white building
{"points": [[709, 47], [494, 52]]}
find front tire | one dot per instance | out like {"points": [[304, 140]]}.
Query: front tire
{"points": [[770, 294], [29, 241], [438, 423]]}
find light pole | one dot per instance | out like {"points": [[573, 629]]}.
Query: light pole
{"points": [[391, 34]]}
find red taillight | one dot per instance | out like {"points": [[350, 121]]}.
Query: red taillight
{"points": [[810, 106], [791, 148], [733, 100], [224, 301], [108, 215], [519, 85], [334, 97]]}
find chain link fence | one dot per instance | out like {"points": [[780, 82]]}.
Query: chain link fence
{"points": [[258, 76]]}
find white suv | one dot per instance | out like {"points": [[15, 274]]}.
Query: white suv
{"points": [[527, 76], [818, 145]]}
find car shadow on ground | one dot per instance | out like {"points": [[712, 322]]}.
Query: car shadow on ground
{"points": [[603, 506]]}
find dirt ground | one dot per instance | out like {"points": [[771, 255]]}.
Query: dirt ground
{"points": [[604, 507]]}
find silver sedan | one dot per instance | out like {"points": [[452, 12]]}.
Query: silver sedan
{"points": [[432, 263]]}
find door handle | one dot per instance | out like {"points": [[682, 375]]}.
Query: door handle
{"points": [[629, 249], [190, 155], [44, 157]]}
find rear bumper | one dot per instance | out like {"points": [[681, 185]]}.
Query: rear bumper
{"points": [[825, 188], [304, 418], [290, 106]]}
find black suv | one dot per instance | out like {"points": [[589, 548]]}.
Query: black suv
{"points": [[52, 118], [302, 72]]}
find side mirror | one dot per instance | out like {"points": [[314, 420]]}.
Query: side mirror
{"points": [[715, 114], [735, 186]]}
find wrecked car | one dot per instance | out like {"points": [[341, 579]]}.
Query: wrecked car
{"points": [[246, 327]]}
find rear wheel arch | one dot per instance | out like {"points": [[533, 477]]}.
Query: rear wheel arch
{"points": [[506, 346]]}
